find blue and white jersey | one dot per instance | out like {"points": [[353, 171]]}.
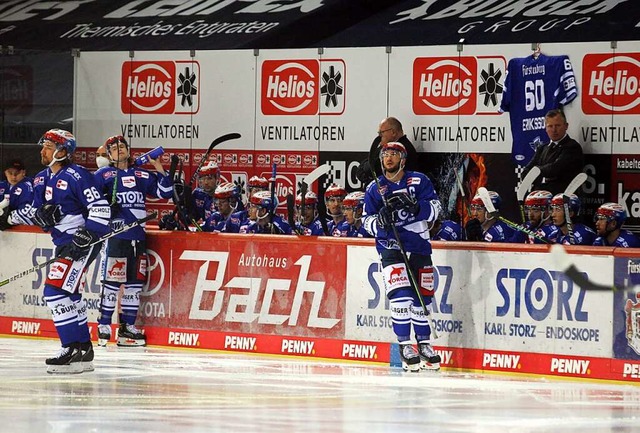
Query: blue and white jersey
{"points": [[625, 239], [532, 87], [20, 201], [4, 188], [282, 227], [412, 229], [313, 229], [582, 235], [132, 186], [73, 188], [203, 204], [333, 227], [449, 231], [351, 231], [236, 220], [498, 232], [215, 223]]}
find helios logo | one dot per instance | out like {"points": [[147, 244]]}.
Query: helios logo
{"points": [[162, 87], [302, 87], [612, 83]]}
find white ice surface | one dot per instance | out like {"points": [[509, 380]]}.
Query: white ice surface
{"points": [[178, 391]]}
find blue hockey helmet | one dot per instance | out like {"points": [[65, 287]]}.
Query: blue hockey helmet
{"points": [[540, 199], [393, 146], [227, 190], [611, 212], [354, 200], [574, 203], [263, 199], [494, 196], [61, 138]]}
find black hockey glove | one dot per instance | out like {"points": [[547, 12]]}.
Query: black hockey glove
{"points": [[473, 230], [403, 201], [82, 241], [386, 217], [4, 218], [168, 222], [47, 216]]}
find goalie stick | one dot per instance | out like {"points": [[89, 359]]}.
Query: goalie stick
{"points": [[109, 235], [493, 213], [573, 186], [405, 258], [214, 143], [525, 186], [305, 185], [568, 267]]}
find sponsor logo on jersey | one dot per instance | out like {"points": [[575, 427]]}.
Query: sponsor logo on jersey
{"points": [[160, 87], [62, 184], [57, 271], [611, 83], [141, 174], [128, 181], [48, 193], [302, 87]]}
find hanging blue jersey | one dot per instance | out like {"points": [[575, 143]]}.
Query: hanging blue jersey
{"points": [[531, 88], [73, 188], [413, 230], [132, 186]]}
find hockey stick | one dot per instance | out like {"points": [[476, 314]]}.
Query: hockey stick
{"points": [[109, 235], [525, 186], [214, 143], [291, 203], [272, 208], [316, 174], [563, 260], [405, 258], [493, 213], [571, 189]]}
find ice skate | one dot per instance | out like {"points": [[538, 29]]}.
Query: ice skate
{"points": [[87, 356], [68, 360], [410, 358], [429, 359], [129, 335], [104, 334]]}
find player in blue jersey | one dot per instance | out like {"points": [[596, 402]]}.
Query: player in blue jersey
{"points": [[203, 201], [446, 230], [228, 200], [67, 204], [124, 258], [484, 227], [534, 85], [352, 227], [308, 222], [405, 202], [609, 219], [559, 160], [239, 218], [537, 207], [18, 209], [333, 197], [261, 206], [574, 233]]}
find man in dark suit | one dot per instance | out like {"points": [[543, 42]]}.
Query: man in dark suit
{"points": [[560, 160], [389, 130]]}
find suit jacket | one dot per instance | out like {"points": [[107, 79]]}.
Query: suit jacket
{"points": [[558, 164]]}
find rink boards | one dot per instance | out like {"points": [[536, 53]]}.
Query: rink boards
{"points": [[503, 308]]}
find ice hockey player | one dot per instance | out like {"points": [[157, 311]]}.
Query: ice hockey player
{"points": [[67, 204], [228, 200], [124, 257], [308, 223], [485, 227], [446, 230], [18, 196], [333, 198], [609, 219], [409, 205], [569, 234], [262, 217], [352, 206], [537, 208], [203, 200]]}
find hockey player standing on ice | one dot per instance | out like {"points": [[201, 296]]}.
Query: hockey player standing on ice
{"points": [[20, 196], [308, 223], [261, 206], [411, 205], [68, 204], [574, 234], [333, 197], [609, 219], [352, 206], [124, 258], [227, 200], [537, 207], [484, 227]]}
